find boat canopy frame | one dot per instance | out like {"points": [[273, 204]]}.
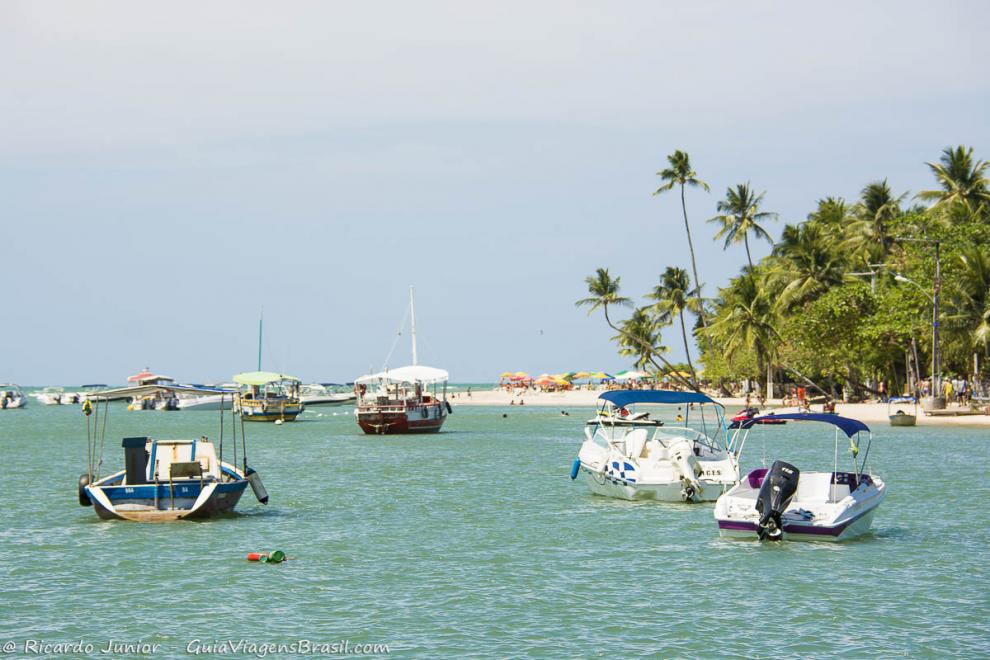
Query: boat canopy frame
{"points": [[96, 422], [850, 427], [623, 398]]}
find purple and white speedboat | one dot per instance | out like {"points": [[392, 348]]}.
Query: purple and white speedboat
{"points": [[785, 503]]}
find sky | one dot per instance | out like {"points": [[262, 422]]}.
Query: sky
{"points": [[167, 170]]}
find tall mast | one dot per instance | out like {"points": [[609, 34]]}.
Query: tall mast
{"points": [[412, 315], [261, 323]]}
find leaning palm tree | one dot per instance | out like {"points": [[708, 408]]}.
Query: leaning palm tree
{"points": [[640, 338], [680, 174], [962, 180], [604, 291], [740, 216], [673, 296]]}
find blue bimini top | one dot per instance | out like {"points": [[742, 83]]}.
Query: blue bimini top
{"points": [[622, 398], [849, 426]]}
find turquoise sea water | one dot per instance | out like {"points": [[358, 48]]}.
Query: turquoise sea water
{"points": [[475, 542]]}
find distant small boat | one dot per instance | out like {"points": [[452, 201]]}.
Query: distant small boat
{"points": [[268, 397], [162, 399], [749, 416], [50, 396], [901, 418], [163, 480], [207, 401], [316, 394], [11, 396]]}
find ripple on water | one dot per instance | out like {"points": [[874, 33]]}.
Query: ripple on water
{"points": [[475, 542]]}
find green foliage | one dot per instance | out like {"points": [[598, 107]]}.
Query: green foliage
{"points": [[812, 306]]}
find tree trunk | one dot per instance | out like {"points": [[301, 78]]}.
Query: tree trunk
{"points": [[748, 257], [687, 351], [670, 368]]}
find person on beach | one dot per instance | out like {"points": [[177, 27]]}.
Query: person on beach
{"points": [[882, 387]]}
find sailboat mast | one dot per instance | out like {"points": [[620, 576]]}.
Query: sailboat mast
{"points": [[412, 316], [261, 323]]}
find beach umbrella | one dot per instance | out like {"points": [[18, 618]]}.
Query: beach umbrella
{"points": [[507, 374], [545, 380]]}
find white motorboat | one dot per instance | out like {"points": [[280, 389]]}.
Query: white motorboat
{"points": [[317, 394], [901, 417], [205, 401], [651, 460], [11, 396], [50, 396], [785, 503]]}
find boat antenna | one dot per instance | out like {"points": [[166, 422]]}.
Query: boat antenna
{"points": [[261, 324], [412, 320]]}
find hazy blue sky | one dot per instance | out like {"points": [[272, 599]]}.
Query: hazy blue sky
{"points": [[168, 168]]}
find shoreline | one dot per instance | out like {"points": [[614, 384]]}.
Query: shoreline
{"points": [[870, 413]]}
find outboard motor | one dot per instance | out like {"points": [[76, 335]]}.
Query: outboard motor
{"points": [[775, 495], [135, 461], [259, 488]]}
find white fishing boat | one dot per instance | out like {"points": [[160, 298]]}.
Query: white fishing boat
{"points": [[11, 397], [267, 396], [650, 459], [318, 394], [900, 417], [785, 503], [164, 480]]}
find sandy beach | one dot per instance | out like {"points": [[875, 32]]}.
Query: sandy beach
{"points": [[869, 413]]}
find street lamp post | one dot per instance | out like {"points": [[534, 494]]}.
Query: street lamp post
{"points": [[934, 297]]}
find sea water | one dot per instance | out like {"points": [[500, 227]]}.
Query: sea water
{"points": [[475, 542]]}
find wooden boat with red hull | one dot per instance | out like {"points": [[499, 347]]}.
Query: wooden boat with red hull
{"points": [[406, 400], [409, 399]]}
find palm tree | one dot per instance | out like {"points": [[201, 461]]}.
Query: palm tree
{"points": [[747, 320], [604, 292], [680, 174], [673, 296], [963, 181], [874, 212], [832, 212], [970, 303], [740, 216], [640, 338], [806, 263]]}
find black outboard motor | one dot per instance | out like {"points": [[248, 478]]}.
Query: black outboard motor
{"points": [[135, 461], [778, 488]]}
